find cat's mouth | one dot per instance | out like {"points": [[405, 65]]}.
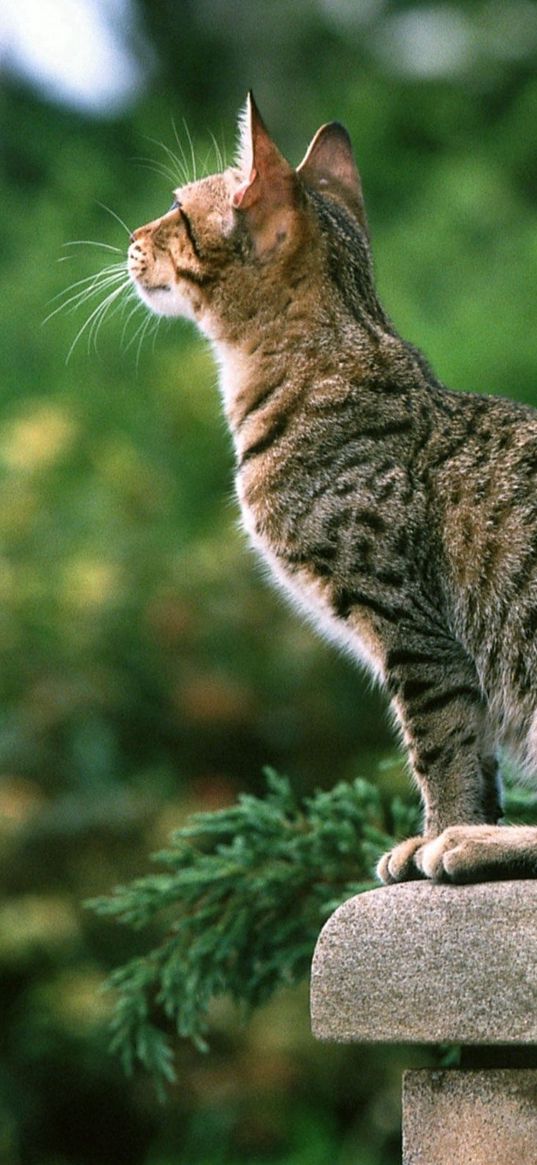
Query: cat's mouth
{"points": [[166, 283], [144, 271]]}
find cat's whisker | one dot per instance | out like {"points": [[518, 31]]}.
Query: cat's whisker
{"points": [[183, 167], [177, 171], [97, 315], [91, 286], [121, 222], [76, 301], [111, 285], [215, 152], [142, 337], [186, 166], [112, 268], [205, 164], [109, 272], [191, 144], [157, 322], [159, 168], [138, 305], [93, 243], [108, 310], [102, 308], [219, 154], [139, 331], [134, 304], [86, 298], [180, 173]]}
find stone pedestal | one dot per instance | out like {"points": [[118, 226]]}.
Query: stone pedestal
{"points": [[470, 1118], [429, 964]]}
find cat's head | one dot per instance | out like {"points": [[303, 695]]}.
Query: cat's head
{"points": [[233, 243]]}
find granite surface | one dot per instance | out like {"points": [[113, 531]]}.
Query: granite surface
{"points": [[470, 1118], [424, 963]]}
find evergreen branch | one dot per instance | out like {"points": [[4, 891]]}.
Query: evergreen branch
{"points": [[247, 889]]}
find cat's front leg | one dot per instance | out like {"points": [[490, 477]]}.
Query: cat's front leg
{"points": [[437, 700], [462, 853]]}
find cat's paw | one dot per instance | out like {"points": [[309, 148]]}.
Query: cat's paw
{"points": [[480, 853], [399, 864]]}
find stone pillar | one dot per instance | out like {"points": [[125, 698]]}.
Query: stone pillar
{"points": [[419, 963], [470, 1118]]}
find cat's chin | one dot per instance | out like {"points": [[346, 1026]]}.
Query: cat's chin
{"points": [[164, 300]]}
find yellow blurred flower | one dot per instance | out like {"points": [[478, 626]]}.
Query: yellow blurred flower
{"points": [[37, 440], [90, 583], [35, 921], [75, 999]]}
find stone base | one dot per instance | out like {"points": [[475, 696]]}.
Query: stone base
{"points": [[470, 1118]]}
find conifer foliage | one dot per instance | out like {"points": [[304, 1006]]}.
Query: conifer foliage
{"points": [[241, 897]]}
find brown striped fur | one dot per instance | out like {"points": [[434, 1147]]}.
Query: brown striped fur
{"points": [[399, 516]]}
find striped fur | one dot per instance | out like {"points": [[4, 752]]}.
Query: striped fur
{"points": [[399, 516]]}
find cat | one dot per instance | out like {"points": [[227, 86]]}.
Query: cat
{"points": [[401, 517]]}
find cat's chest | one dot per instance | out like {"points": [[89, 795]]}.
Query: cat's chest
{"points": [[311, 595]]}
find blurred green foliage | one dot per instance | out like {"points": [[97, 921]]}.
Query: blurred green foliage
{"points": [[147, 670]]}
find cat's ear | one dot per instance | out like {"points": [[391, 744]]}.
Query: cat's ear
{"points": [[329, 168], [266, 193]]}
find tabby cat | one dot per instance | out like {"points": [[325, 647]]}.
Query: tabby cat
{"points": [[400, 516]]}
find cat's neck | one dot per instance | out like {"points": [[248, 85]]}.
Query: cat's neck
{"points": [[260, 371], [260, 374]]}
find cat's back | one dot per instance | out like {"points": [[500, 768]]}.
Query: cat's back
{"points": [[483, 446], [481, 481]]}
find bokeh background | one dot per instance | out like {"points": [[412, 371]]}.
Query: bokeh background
{"points": [[146, 668]]}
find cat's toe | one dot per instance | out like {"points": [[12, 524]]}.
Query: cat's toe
{"points": [[462, 853], [399, 865], [437, 856]]}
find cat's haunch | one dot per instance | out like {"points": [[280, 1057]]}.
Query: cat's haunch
{"points": [[399, 516]]}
